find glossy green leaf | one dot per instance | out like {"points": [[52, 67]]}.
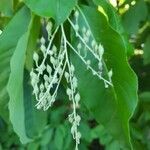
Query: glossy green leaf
{"points": [[16, 103], [21, 104], [6, 7], [146, 55], [8, 42], [32, 42], [115, 22], [111, 12], [59, 137], [59, 10], [113, 107]]}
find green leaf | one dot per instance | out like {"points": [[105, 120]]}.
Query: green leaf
{"points": [[15, 89], [6, 7], [21, 105], [115, 22], [59, 137], [146, 55], [59, 10], [113, 107], [34, 120], [32, 42], [111, 13], [8, 42], [47, 136]]}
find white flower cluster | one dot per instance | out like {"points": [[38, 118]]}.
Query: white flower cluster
{"points": [[47, 75], [48, 72], [87, 44], [72, 93], [74, 96], [45, 90]]}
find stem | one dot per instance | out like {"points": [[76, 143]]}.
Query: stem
{"points": [[80, 37], [89, 65], [56, 86], [72, 89], [68, 63], [49, 45], [54, 77]]}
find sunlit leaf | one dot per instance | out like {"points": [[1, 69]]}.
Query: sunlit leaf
{"points": [[59, 10], [114, 106]]}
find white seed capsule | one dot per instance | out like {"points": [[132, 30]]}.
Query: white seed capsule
{"points": [[84, 30], [110, 73], [100, 65], [77, 97], [39, 106], [78, 119], [76, 27], [76, 14], [60, 70], [35, 57], [74, 82], [41, 94], [32, 73], [100, 50], [43, 48], [79, 46], [42, 40], [88, 62], [1, 32], [49, 69], [41, 87], [69, 92], [93, 43], [96, 47], [54, 49], [46, 84], [72, 69], [88, 33], [67, 76], [93, 72], [36, 89], [52, 59], [70, 118], [86, 39], [49, 26], [106, 85], [46, 78], [78, 136]]}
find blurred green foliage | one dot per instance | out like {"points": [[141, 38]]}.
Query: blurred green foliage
{"points": [[51, 130]]}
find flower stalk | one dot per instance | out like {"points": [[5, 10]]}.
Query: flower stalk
{"points": [[46, 76]]}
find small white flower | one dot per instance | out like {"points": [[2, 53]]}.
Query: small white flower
{"points": [[77, 97], [79, 46], [76, 27], [84, 30], [69, 92], [35, 57], [1, 32], [76, 14], [49, 27], [43, 48], [67, 76], [42, 40]]}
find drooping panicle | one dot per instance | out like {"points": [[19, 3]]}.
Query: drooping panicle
{"points": [[88, 45], [52, 63]]}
